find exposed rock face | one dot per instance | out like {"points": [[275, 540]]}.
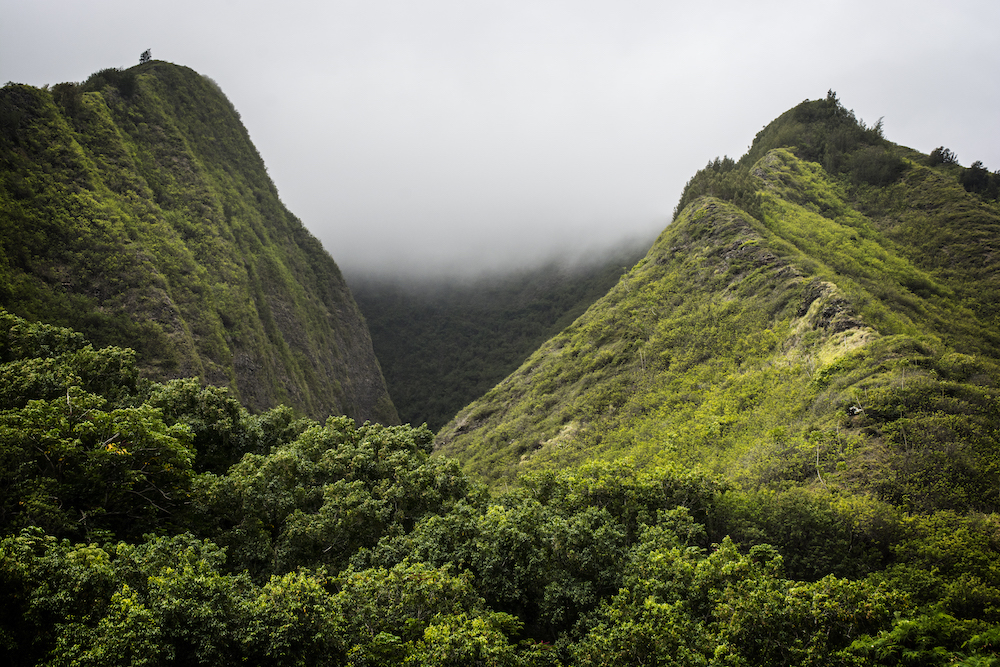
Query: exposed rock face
{"points": [[136, 210]]}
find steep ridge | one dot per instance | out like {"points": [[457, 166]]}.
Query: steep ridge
{"points": [[135, 209], [795, 324]]}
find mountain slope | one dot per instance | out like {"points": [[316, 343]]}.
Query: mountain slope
{"points": [[444, 343], [781, 331], [135, 209], [831, 327]]}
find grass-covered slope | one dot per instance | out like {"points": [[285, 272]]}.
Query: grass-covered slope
{"points": [[795, 324], [134, 208]]}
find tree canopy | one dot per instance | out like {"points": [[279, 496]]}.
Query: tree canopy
{"points": [[298, 542]]}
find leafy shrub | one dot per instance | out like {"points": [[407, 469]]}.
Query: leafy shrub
{"points": [[979, 179], [876, 166], [124, 81], [941, 155]]}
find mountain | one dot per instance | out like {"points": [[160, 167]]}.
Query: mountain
{"points": [[822, 312], [773, 442], [443, 343], [135, 209]]}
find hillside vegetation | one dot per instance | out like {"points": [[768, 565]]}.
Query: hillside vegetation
{"points": [[135, 209], [163, 524], [443, 343], [773, 442], [795, 324]]}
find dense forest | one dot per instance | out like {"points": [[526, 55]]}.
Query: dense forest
{"points": [[443, 343], [152, 523], [774, 441]]}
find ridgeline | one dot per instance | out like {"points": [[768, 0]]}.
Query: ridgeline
{"points": [[796, 324]]}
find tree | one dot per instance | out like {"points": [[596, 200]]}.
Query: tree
{"points": [[145, 57], [978, 178], [942, 155]]}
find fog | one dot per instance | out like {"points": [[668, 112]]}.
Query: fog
{"points": [[451, 136]]}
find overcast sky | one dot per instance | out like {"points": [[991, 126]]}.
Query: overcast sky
{"points": [[438, 135]]}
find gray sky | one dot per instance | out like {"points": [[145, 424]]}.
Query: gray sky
{"points": [[446, 135]]}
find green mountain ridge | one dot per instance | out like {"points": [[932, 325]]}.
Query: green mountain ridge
{"points": [[772, 442], [809, 327], [135, 209]]}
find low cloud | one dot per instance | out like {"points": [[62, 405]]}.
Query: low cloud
{"points": [[453, 136]]}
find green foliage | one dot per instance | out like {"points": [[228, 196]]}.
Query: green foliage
{"points": [[806, 345], [876, 166], [42, 362], [822, 345], [441, 345], [223, 430], [421, 615], [934, 638], [605, 565], [318, 499], [979, 179], [79, 455], [773, 442], [815, 534], [941, 155], [123, 81], [820, 131], [549, 551], [683, 607], [722, 179], [72, 465], [627, 356], [134, 208], [167, 601]]}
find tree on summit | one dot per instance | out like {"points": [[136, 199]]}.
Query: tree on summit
{"points": [[145, 57], [942, 155]]}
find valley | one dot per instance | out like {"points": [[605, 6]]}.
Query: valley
{"points": [[770, 438]]}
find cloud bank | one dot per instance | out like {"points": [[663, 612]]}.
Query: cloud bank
{"points": [[449, 136]]}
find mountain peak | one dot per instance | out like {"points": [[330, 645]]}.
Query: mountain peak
{"points": [[140, 213], [793, 324]]}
